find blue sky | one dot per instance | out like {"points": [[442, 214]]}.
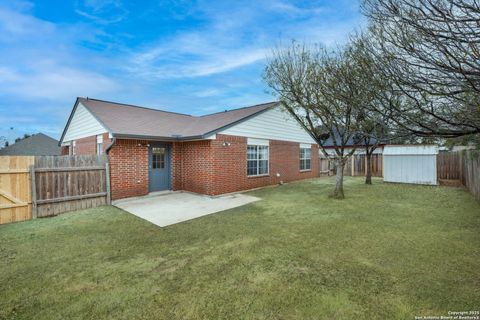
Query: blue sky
{"points": [[192, 57]]}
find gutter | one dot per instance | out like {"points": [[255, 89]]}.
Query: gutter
{"points": [[170, 139], [159, 138]]}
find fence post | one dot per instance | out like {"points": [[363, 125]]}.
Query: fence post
{"points": [[383, 163], [34, 191], [107, 180], [353, 165]]}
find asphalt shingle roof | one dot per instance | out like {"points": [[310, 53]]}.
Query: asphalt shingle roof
{"points": [[129, 120]]}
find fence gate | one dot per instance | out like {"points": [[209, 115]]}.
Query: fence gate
{"points": [[15, 189]]}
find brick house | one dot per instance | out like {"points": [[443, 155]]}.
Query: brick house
{"points": [[151, 150]]}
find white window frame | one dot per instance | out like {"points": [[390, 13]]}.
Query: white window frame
{"points": [[100, 144], [303, 159], [73, 145], [258, 143]]}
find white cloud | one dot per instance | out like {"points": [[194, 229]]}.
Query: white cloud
{"points": [[291, 9], [102, 11], [211, 92], [228, 42], [190, 56], [49, 68], [14, 24], [54, 83]]}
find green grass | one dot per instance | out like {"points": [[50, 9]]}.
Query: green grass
{"points": [[387, 251]]}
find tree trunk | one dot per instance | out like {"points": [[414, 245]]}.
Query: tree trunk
{"points": [[338, 192], [368, 169]]}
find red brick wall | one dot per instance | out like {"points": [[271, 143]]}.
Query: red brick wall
{"points": [[86, 146], [128, 168], [192, 166], [210, 167], [106, 141], [231, 165], [65, 150]]}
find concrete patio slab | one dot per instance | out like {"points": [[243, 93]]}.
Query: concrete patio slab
{"points": [[174, 207]]}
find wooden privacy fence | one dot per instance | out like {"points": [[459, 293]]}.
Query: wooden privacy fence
{"points": [[470, 171], [461, 166], [325, 166], [67, 183], [15, 189], [449, 165], [32, 187], [355, 165]]}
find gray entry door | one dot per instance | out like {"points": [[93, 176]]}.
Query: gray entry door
{"points": [[159, 167]]}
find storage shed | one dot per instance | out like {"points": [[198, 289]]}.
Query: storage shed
{"points": [[410, 164]]}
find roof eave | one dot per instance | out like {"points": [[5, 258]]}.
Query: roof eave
{"points": [[158, 138]]}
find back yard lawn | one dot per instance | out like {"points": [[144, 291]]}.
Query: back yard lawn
{"points": [[386, 252]]}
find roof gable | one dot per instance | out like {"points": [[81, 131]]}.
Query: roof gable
{"points": [[82, 123]]}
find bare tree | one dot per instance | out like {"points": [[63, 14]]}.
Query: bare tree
{"points": [[375, 114], [3, 141], [430, 51], [322, 90], [374, 131]]}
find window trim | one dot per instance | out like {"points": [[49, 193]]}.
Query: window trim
{"points": [[303, 160], [258, 160], [99, 144], [99, 148]]}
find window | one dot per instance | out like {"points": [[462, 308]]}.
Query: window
{"points": [[257, 160], [73, 148], [158, 158], [305, 158], [99, 144]]}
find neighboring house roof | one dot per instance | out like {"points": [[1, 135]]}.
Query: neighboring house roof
{"points": [[123, 120], [353, 141], [36, 145]]}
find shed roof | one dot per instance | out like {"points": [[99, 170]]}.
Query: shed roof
{"points": [[410, 150], [135, 121]]}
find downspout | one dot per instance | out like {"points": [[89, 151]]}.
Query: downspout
{"points": [[107, 149]]}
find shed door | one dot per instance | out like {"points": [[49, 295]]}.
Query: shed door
{"points": [[159, 167]]}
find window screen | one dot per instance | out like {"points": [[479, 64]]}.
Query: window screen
{"points": [[305, 158], [257, 160]]}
